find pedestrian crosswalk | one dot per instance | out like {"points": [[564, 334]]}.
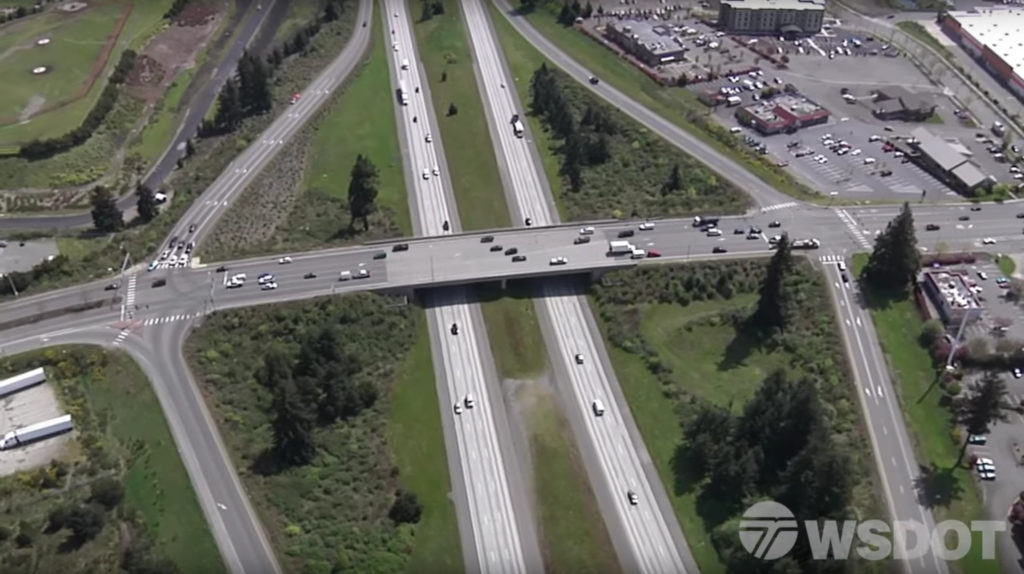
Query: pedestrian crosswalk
{"points": [[129, 298], [170, 319], [121, 336], [858, 235], [831, 258], [779, 206]]}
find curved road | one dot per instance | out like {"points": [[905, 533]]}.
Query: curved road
{"points": [[198, 107]]}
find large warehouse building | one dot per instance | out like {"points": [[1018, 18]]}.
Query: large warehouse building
{"points": [[995, 38], [776, 17]]}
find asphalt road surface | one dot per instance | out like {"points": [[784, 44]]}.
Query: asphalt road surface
{"points": [[496, 526], [200, 104], [637, 511]]}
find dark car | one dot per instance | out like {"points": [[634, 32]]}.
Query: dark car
{"points": [[181, 245], [931, 227], [309, 275], [528, 221], [753, 235], [400, 247], [159, 283], [627, 233], [455, 329], [518, 258], [173, 242], [511, 251], [885, 172], [774, 224], [594, 80], [487, 239], [222, 269], [496, 248], [719, 250], [192, 228], [964, 218], [581, 240], [739, 231], [975, 208], [112, 287], [846, 278], [1020, 215], [755, 230], [380, 255]]}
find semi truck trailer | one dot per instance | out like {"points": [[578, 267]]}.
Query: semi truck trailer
{"points": [[22, 381], [38, 431], [620, 247], [700, 221]]}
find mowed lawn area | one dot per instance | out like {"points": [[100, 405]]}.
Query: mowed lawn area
{"points": [[77, 42]]}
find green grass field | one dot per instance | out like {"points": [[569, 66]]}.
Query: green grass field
{"points": [[444, 49], [898, 325], [164, 123], [77, 40], [415, 436], [676, 105]]}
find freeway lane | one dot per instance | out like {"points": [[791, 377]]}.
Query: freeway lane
{"points": [[197, 109], [645, 540], [494, 519]]}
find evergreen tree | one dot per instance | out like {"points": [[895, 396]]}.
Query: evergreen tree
{"points": [[190, 148], [292, 425], [444, 78], [894, 262], [106, 217], [427, 12], [85, 522], [675, 181], [362, 190], [771, 305], [703, 435], [452, 110], [276, 367], [331, 12], [982, 407], [253, 85], [438, 7], [229, 108], [146, 203], [818, 483], [107, 492], [406, 508]]}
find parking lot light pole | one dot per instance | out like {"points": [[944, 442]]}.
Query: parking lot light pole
{"points": [[11, 283]]}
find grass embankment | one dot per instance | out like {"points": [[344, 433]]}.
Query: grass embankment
{"points": [[676, 105], [899, 324], [921, 34], [333, 514], [164, 123], [301, 200], [121, 434], [687, 338], [624, 169]]}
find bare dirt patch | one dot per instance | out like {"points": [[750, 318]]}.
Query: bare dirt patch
{"points": [[73, 6], [35, 103], [173, 50]]}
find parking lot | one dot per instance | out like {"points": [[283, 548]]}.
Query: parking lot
{"points": [[30, 406]]}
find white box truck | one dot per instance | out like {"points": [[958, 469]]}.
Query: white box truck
{"points": [[38, 431], [733, 101], [517, 128], [22, 381], [403, 93], [620, 247]]}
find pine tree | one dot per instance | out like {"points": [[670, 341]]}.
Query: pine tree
{"points": [[980, 408], [428, 11], [895, 261], [331, 12], [190, 148], [229, 108], [253, 88], [452, 110], [771, 305], [146, 203], [675, 181], [106, 216], [362, 191], [292, 425]]}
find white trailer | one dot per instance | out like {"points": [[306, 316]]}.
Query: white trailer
{"points": [[38, 431], [22, 381], [620, 247], [517, 128], [403, 93]]}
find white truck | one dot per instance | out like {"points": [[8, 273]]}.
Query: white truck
{"points": [[620, 247], [733, 101], [403, 93], [22, 381], [517, 128], [705, 221], [806, 244], [38, 431]]}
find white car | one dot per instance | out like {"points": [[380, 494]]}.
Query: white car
{"points": [[869, 160], [988, 241], [362, 274], [284, 260], [428, 138], [470, 401], [172, 260], [633, 499], [458, 408], [183, 261], [265, 278], [646, 226], [268, 286], [579, 358], [586, 231], [984, 461], [559, 260], [234, 284], [165, 254], [426, 173], [240, 277], [1017, 373], [437, 171], [855, 152]]}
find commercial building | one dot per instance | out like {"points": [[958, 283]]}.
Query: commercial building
{"points": [[652, 44], [782, 113], [790, 18], [947, 162], [898, 103], [995, 38], [952, 295]]}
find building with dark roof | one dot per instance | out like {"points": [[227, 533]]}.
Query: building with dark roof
{"points": [[898, 103], [946, 162], [784, 112]]}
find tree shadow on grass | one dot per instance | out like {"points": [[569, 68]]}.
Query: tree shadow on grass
{"points": [[938, 487], [714, 508], [743, 344], [267, 463], [686, 473]]}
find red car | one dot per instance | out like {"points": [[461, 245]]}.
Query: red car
{"points": [[295, 97], [653, 253]]}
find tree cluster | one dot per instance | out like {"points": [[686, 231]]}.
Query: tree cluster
{"points": [[586, 142], [41, 149], [176, 9], [317, 387], [895, 260], [780, 447], [780, 301], [431, 8], [245, 95], [406, 509], [85, 520], [146, 203], [106, 216], [18, 281], [570, 12], [362, 191], [302, 37]]}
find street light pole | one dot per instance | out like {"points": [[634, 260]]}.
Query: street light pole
{"points": [[956, 341], [11, 283]]}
